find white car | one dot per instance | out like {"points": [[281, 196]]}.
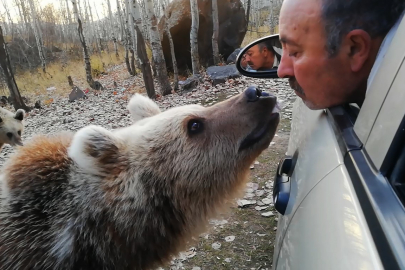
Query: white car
{"points": [[340, 191]]}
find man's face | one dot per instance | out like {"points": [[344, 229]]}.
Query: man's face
{"points": [[254, 57], [321, 81]]}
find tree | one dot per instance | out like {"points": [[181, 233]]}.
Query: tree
{"points": [[215, 32], [5, 64], [195, 59], [38, 35], [87, 65], [174, 62], [112, 26], [139, 47], [249, 3], [157, 51]]}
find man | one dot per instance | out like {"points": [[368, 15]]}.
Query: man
{"points": [[331, 46], [260, 57]]}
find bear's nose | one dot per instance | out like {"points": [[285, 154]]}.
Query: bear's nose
{"points": [[253, 94]]}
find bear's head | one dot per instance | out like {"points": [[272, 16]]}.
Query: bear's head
{"points": [[11, 126], [196, 156]]}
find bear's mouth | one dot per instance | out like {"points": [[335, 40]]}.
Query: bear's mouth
{"points": [[261, 131]]}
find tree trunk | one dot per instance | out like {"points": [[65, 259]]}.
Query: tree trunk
{"points": [[271, 18], [130, 37], [95, 33], [195, 59], [141, 50], [87, 64], [174, 62], [145, 65], [112, 28], [249, 3], [38, 35], [215, 32], [121, 21], [133, 67], [5, 64], [157, 51]]}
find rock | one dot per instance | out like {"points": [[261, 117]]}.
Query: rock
{"points": [[243, 203], [220, 74], [191, 253], [259, 193], [98, 86], [252, 167], [52, 88], [232, 30], [216, 245], [268, 214], [218, 222], [232, 57], [37, 104], [4, 100], [228, 260], [76, 93], [260, 208], [267, 201], [229, 238], [257, 162], [189, 84]]}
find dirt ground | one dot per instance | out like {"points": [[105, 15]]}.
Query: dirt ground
{"points": [[254, 234]]}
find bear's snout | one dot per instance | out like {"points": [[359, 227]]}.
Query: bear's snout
{"points": [[253, 94]]}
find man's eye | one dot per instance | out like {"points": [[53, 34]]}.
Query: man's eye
{"points": [[292, 54]]}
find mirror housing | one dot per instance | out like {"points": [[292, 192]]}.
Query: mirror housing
{"points": [[260, 59]]}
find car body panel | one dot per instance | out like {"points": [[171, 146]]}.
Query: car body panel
{"points": [[329, 230], [309, 130]]}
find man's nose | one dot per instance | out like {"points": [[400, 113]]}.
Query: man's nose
{"points": [[286, 68]]}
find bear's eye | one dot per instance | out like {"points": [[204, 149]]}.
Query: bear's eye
{"points": [[195, 126], [19, 132]]}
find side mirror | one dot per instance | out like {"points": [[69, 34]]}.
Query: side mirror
{"points": [[260, 59]]}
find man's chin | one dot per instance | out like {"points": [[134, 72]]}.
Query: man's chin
{"points": [[311, 105]]}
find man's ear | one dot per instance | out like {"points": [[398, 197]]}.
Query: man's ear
{"points": [[359, 43]]}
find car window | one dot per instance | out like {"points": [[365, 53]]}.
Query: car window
{"points": [[381, 87]]}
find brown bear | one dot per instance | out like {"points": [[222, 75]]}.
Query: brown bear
{"points": [[129, 198], [11, 127]]}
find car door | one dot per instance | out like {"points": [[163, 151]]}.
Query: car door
{"points": [[323, 221], [353, 216]]}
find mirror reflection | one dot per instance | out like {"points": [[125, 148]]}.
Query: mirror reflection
{"points": [[262, 57]]}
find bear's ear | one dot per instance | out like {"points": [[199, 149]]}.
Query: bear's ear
{"points": [[94, 149], [19, 115], [141, 107]]}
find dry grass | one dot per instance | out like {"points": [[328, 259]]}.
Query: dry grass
{"points": [[36, 82]]}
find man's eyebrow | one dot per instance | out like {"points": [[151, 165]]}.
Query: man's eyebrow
{"points": [[285, 40]]}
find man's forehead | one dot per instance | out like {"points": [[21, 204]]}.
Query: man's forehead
{"points": [[300, 13], [297, 18], [253, 48]]}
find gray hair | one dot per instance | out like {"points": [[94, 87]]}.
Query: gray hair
{"points": [[373, 16]]}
